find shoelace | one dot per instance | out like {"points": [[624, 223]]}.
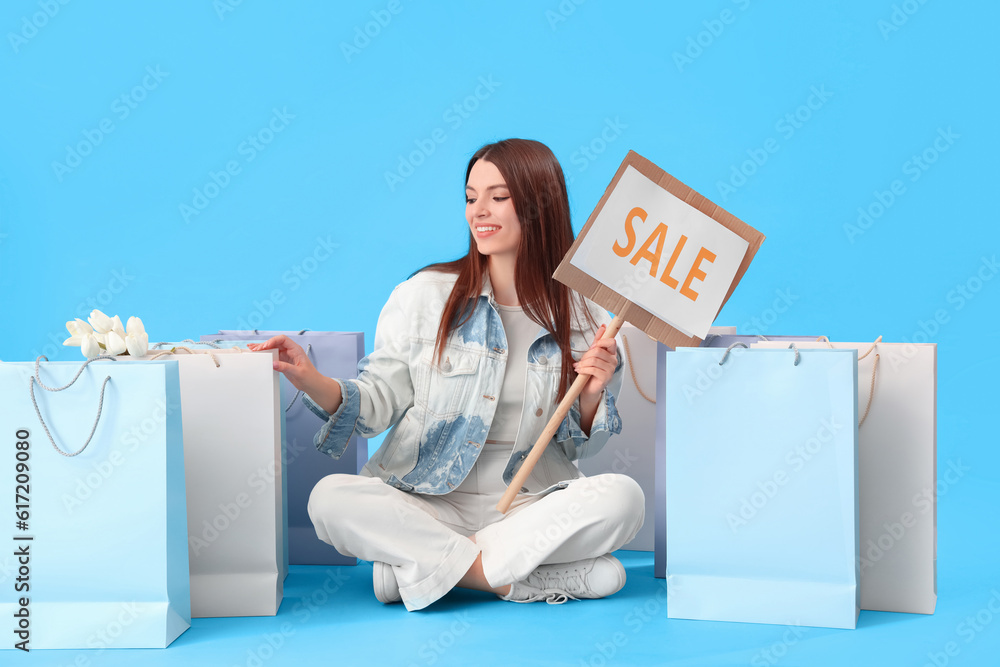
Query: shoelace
{"points": [[550, 595], [547, 588], [562, 576]]}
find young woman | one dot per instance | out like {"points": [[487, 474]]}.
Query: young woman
{"points": [[471, 358]]}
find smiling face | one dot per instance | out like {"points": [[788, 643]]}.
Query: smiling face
{"points": [[490, 211]]}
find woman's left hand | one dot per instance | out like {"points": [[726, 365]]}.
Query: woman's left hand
{"points": [[599, 362]]}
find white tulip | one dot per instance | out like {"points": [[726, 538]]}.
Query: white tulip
{"points": [[78, 327], [90, 347], [77, 330], [117, 327], [137, 344], [101, 322], [135, 326], [115, 344]]}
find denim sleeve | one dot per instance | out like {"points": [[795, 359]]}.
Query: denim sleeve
{"points": [[338, 428], [383, 390], [570, 435]]}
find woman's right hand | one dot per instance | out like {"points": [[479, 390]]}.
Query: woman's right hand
{"points": [[292, 361], [296, 366]]}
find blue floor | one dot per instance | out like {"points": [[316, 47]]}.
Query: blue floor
{"points": [[329, 616]]}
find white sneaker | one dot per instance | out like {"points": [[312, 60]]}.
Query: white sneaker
{"points": [[588, 578], [384, 583]]}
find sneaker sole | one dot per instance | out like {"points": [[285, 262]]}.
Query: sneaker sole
{"points": [[384, 581]]}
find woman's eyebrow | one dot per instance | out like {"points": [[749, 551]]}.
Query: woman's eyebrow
{"points": [[492, 187]]}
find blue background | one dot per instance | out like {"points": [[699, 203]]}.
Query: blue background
{"points": [[313, 233]]}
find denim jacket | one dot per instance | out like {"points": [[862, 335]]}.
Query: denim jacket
{"points": [[440, 415]]}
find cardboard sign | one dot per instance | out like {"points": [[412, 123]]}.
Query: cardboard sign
{"points": [[660, 251]]}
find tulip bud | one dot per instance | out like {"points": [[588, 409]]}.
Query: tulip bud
{"points": [[115, 344], [116, 326], [90, 347], [77, 330], [137, 344], [135, 326], [101, 322]]}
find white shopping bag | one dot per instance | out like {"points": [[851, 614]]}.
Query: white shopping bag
{"points": [[233, 422], [896, 458], [631, 451]]}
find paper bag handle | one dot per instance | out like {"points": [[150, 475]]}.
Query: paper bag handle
{"points": [[100, 401], [725, 354], [210, 343], [174, 350], [871, 392], [309, 347], [631, 367]]}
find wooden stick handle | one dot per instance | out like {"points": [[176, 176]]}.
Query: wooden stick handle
{"points": [[550, 429]]}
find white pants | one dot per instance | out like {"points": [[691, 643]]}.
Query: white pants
{"points": [[425, 538]]}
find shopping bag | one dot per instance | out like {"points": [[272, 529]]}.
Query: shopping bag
{"points": [[761, 486], [631, 451], [897, 392], [717, 337], [335, 354], [98, 558], [238, 546]]}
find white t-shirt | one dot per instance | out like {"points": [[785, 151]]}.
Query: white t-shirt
{"points": [[520, 331]]}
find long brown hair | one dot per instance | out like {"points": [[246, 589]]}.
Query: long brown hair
{"points": [[538, 191]]}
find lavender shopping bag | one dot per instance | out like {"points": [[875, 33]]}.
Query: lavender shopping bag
{"points": [[335, 354]]}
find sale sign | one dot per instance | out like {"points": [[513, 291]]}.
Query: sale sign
{"points": [[661, 250]]}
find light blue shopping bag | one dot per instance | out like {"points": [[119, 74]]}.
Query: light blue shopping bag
{"points": [[717, 337], [335, 354], [100, 529], [761, 486]]}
